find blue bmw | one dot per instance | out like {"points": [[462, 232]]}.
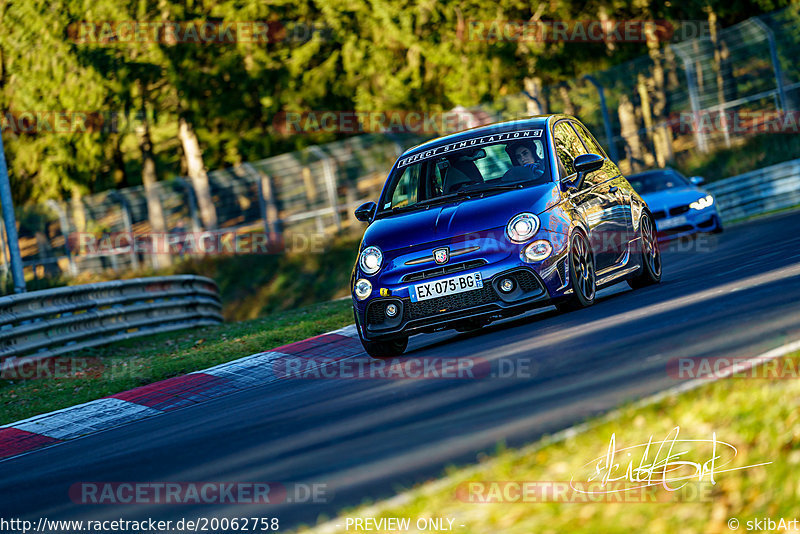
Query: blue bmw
{"points": [[491, 222], [680, 207]]}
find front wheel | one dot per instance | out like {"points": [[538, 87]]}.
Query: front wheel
{"points": [[382, 349], [650, 272], [582, 275]]}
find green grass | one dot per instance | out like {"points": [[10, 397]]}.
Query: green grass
{"points": [[756, 152], [758, 416], [129, 364], [255, 285]]}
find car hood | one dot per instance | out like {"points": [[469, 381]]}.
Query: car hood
{"points": [[670, 198], [463, 216]]}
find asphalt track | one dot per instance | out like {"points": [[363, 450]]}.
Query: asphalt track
{"points": [[737, 294]]}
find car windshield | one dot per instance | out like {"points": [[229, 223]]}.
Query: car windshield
{"points": [[652, 182], [491, 163]]}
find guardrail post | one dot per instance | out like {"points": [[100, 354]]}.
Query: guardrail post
{"points": [[266, 201], [11, 224], [126, 222], [694, 100], [776, 66], [330, 182], [63, 221]]}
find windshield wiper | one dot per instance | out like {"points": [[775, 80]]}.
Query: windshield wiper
{"points": [[429, 201], [504, 187], [452, 196]]}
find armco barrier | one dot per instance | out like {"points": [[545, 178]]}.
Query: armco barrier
{"points": [[771, 188], [43, 324]]}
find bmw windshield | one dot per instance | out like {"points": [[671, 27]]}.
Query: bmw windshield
{"points": [[652, 182], [491, 163]]}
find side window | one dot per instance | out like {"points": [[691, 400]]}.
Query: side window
{"points": [[592, 145], [407, 187], [568, 146]]}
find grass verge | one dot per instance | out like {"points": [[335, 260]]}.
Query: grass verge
{"points": [[96, 373], [757, 416]]}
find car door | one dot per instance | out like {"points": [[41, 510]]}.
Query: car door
{"points": [[616, 188], [595, 201]]}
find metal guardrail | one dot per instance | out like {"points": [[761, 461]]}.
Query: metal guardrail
{"points": [[43, 324], [753, 193]]}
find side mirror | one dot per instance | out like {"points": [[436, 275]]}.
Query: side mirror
{"points": [[697, 180], [365, 211], [584, 164]]}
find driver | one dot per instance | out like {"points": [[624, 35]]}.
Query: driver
{"points": [[524, 154]]}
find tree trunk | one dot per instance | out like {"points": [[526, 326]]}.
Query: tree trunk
{"points": [[713, 25], [535, 105], [661, 134], [628, 130], [155, 211], [563, 91], [197, 173]]}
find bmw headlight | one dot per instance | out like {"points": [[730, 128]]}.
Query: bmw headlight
{"points": [[371, 260], [702, 203], [522, 227], [362, 289]]}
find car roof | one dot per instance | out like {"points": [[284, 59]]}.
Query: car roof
{"points": [[536, 121], [653, 171]]}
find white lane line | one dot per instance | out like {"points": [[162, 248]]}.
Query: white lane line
{"points": [[407, 497], [84, 418], [102, 414], [651, 310]]}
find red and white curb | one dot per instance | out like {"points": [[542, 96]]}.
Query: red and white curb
{"points": [[178, 392]]}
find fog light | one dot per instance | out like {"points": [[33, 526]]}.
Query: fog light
{"points": [[537, 251], [506, 285], [391, 310], [362, 289]]}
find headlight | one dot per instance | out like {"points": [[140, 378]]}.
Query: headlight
{"points": [[522, 227], [362, 289], [371, 260], [537, 251], [703, 203]]}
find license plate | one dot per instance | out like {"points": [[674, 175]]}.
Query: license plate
{"points": [[672, 223], [448, 286]]}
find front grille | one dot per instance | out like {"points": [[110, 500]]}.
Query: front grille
{"points": [[660, 214], [444, 269], [468, 299], [375, 313], [678, 210], [527, 281], [676, 230]]}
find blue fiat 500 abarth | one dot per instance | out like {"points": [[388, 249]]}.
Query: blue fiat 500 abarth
{"points": [[491, 222]]}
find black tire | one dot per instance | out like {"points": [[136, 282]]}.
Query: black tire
{"points": [[650, 273], [581, 274], [382, 349]]}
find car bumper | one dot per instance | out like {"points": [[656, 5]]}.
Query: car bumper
{"points": [[707, 220], [536, 284]]}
